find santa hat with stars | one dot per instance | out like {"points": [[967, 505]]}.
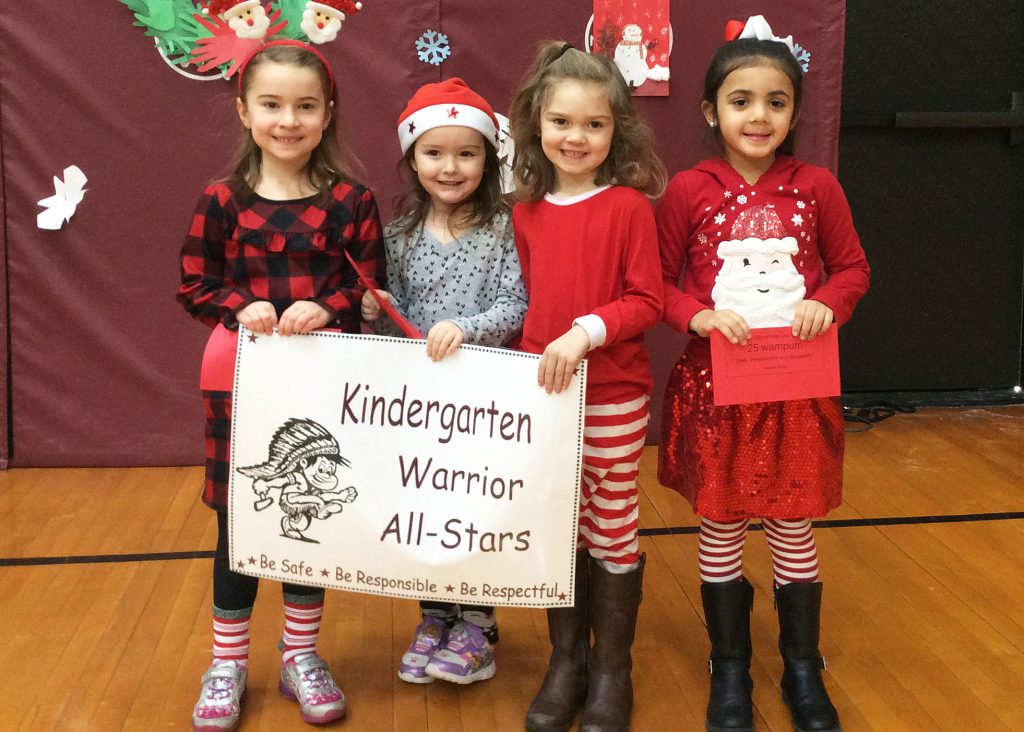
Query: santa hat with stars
{"points": [[447, 103], [339, 9], [758, 230], [228, 8]]}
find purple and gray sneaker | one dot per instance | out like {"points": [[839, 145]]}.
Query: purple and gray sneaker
{"points": [[430, 636], [466, 657]]}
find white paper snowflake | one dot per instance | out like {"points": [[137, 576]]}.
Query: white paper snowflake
{"points": [[741, 200], [803, 56], [432, 47], [797, 220], [801, 204], [720, 219]]}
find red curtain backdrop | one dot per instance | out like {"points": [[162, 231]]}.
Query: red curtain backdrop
{"points": [[103, 362]]}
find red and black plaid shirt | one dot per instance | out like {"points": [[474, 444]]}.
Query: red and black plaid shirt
{"points": [[243, 249]]}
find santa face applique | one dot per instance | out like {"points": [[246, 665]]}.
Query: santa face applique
{"points": [[248, 20], [757, 279], [321, 21], [319, 26]]}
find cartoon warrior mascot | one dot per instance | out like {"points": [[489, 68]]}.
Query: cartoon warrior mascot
{"points": [[303, 459]]}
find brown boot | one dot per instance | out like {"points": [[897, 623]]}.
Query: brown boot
{"points": [[565, 684], [614, 600]]}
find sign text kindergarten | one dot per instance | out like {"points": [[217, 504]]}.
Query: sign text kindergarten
{"points": [[358, 463]]}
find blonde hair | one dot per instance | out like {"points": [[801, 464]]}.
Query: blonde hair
{"points": [[329, 164], [631, 160]]}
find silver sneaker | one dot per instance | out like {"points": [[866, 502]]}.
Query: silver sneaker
{"points": [[309, 682], [220, 701]]}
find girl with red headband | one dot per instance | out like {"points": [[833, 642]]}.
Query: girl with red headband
{"points": [[760, 239], [267, 249]]}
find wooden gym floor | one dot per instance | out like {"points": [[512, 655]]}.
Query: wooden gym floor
{"points": [[105, 603]]}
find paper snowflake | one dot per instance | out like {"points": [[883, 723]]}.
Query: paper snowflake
{"points": [[797, 220], [432, 47], [741, 199], [803, 56], [720, 219]]}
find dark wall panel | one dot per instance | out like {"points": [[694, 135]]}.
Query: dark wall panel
{"points": [[104, 363]]}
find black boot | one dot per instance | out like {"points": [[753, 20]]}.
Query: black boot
{"points": [[565, 684], [614, 601], [799, 607], [727, 612]]}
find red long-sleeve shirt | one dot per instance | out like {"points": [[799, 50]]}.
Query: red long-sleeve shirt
{"points": [[593, 255]]}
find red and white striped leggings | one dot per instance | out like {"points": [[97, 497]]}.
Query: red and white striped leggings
{"points": [[794, 553], [613, 441]]}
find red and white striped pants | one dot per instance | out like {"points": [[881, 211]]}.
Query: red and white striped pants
{"points": [[613, 441]]}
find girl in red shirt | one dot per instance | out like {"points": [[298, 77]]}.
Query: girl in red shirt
{"points": [[760, 239], [588, 246]]}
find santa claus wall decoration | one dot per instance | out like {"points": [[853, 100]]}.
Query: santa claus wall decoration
{"points": [[214, 37]]}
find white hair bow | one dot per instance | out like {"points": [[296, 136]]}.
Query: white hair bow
{"points": [[757, 27]]}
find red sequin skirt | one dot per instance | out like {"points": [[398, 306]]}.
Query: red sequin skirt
{"points": [[770, 459]]}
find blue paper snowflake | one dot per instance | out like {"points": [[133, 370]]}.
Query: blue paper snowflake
{"points": [[803, 56], [432, 47]]}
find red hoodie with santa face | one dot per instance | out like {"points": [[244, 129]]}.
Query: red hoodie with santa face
{"points": [[711, 219]]}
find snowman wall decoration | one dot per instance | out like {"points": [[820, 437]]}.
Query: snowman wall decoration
{"points": [[758, 279], [631, 58]]}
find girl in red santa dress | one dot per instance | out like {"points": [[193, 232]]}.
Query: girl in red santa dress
{"points": [[760, 239], [266, 249], [588, 246]]}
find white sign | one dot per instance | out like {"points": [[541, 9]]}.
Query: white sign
{"points": [[358, 463]]}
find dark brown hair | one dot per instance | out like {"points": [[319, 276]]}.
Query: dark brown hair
{"points": [[631, 160], [744, 53], [330, 162], [479, 209]]}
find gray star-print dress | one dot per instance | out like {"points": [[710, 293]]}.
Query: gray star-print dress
{"points": [[474, 281]]}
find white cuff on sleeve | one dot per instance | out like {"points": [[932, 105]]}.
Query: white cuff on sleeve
{"points": [[595, 329]]}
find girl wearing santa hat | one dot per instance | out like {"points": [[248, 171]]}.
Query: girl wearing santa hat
{"points": [[267, 249], [760, 239], [587, 239], [452, 272]]}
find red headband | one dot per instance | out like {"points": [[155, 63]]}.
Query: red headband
{"points": [[287, 42]]}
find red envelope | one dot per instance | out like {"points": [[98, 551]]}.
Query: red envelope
{"points": [[775, 366], [403, 324]]}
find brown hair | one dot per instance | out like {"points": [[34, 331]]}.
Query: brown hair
{"points": [[744, 53], [480, 209], [330, 163], [631, 161]]}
